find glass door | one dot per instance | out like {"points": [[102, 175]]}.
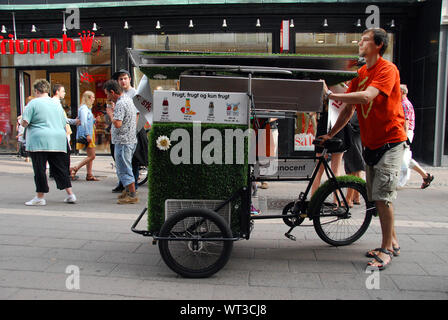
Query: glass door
{"points": [[64, 79]]}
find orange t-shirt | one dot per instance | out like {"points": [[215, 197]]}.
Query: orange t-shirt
{"points": [[382, 120]]}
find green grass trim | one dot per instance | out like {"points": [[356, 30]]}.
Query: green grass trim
{"points": [[190, 181], [317, 195]]}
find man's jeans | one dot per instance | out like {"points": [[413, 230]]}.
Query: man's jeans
{"points": [[123, 161]]}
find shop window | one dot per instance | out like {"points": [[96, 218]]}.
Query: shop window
{"points": [[217, 42], [93, 79], [207, 42], [8, 111], [334, 44]]}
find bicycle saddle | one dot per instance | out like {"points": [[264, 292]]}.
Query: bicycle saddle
{"points": [[332, 145]]}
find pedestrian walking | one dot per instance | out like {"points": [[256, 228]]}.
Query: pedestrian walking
{"points": [[408, 162], [58, 92], [85, 136], [354, 163], [124, 126], [376, 95], [46, 141]]}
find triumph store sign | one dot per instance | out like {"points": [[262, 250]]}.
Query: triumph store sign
{"points": [[48, 46]]}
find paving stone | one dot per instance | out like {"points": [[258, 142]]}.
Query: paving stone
{"points": [[407, 295], [109, 286], [338, 255], [130, 258], [183, 291], [257, 264], [110, 246], [18, 240], [93, 235], [421, 283], [6, 293], [34, 280], [59, 243], [225, 292], [21, 251], [321, 266], [73, 254], [85, 267], [285, 254], [33, 294], [356, 282], [159, 272], [23, 263], [328, 294], [285, 279]]}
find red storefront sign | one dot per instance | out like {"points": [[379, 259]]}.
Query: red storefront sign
{"points": [[5, 111], [51, 46]]}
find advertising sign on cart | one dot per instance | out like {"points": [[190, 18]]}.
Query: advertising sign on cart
{"points": [[285, 169], [199, 106]]}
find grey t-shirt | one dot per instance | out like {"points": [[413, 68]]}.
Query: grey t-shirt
{"points": [[131, 93], [125, 111]]}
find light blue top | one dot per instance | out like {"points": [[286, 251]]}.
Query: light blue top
{"points": [[85, 115], [46, 126]]}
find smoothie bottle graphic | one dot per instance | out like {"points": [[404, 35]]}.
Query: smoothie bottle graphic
{"points": [[236, 111], [187, 106], [165, 106], [229, 109], [211, 109]]}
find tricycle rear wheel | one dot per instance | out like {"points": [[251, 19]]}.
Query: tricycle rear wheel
{"points": [[194, 256]]}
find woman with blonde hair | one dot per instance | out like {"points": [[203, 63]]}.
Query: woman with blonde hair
{"points": [[85, 136]]}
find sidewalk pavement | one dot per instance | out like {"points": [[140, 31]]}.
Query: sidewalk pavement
{"points": [[39, 244]]}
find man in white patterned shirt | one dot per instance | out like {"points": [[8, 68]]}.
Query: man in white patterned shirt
{"points": [[123, 132]]}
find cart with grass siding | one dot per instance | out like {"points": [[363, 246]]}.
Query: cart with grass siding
{"points": [[198, 207]]}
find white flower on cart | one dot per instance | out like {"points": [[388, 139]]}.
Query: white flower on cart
{"points": [[163, 143]]}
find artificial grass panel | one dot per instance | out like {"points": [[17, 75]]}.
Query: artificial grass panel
{"points": [[323, 187], [190, 181]]}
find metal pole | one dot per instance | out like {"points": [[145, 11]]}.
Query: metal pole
{"points": [[14, 25]]}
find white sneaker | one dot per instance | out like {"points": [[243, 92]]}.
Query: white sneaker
{"points": [[70, 199], [36, 202]]}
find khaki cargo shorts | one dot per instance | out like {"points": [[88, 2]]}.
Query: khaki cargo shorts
{"points": [[382, 178]]}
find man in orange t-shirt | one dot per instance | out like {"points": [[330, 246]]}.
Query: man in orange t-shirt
{"points": [[376, 95]]}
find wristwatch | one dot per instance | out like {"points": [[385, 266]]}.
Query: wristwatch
{"points": [[328, 93]]}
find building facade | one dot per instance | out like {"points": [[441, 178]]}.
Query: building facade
{"points": [[80, 44]]}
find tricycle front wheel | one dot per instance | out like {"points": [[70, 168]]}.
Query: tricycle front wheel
{"points": [[336, 224], [195, 243]]}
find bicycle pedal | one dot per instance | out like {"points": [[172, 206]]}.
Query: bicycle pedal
{"points": [[290, 236]]}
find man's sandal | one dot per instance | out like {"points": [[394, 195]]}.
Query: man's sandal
{"points": [[427, 181], [383, 265], [395, 252]]}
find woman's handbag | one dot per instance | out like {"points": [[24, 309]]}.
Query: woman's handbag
{"points": [[82, 140]]}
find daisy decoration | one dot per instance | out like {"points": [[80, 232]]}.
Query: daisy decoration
{"points": [[163, 143]]}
